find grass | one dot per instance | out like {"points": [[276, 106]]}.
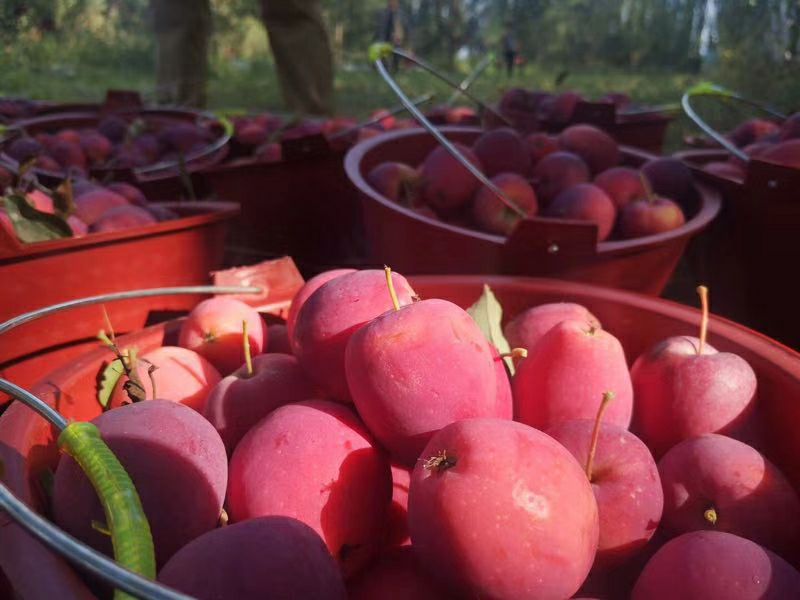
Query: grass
{"points": [[85, 68]]}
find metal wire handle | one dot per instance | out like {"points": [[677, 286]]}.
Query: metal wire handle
{"points": [[471, 78], [710, 89], [377, 54], [217, 145], [50, 535], [426, 67]]}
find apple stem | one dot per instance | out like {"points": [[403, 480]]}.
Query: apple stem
{"points": [[390, 283], [648, 190], [703, 291], [248, 359], [515, 353], [607, 398], [710, 515]]}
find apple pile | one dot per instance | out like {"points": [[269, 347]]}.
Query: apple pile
{"points": [[765, 140], [388, 453], [260, 136], [572, 175], [552, 110], [12, 109], [87, 208], [116, 142]]}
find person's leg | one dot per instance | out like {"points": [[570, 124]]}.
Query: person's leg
{"points": [[302, 51], [182, 29], [509, 63]]}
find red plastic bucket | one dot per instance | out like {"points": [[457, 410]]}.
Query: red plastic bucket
{"points": [[758, 233], [26, 440], [171, 253], [303, 206], [413, 243], [167, 171]]}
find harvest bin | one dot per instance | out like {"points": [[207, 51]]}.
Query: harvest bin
{"points": [[167, 174], [303, 206], [27, 447], [756, 241], [170, 253], [413, 243]]}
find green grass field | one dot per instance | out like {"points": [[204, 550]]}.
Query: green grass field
{"points": [[83, 71]]}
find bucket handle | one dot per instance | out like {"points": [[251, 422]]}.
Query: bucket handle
{"points": [[377, 53], [130, 533], [711, 89], [216, 146], [471, 78]]}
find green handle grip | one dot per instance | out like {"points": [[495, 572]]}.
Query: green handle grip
{"points": [[130, 531]]}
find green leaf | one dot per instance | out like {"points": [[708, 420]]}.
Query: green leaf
{"points": [[108, 381], [32, 225], [488, 314]]}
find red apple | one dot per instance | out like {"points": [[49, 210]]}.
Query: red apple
{"points": [[446, 184], [715, 482], [315, 462], [669, 177], [557, 172], [311, 286], [500, 510], [593, 145], [214, 330], [396, 181], [502, 151], [540, 145], [332, 314], [649, 216], [495, 217], [566, 374], [625, 482], [713, 564], [585, 202], [416, 369], [622, 184], [528, 327], [242, 399], [685, 388]]}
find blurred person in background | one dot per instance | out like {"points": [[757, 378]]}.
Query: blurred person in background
{"points": [[510, 48], [183, 30], [392, 29], [302, 50]]}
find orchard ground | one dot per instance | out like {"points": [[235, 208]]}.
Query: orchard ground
{"points": [[83, 72]]}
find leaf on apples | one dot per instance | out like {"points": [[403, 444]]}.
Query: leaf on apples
{"points": [[108, 382], [33, 225], [488, 314]]}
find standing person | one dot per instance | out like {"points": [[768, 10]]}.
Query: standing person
{"points": [[510, 48], [391, 29], [302, 50], [182, 29]]}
